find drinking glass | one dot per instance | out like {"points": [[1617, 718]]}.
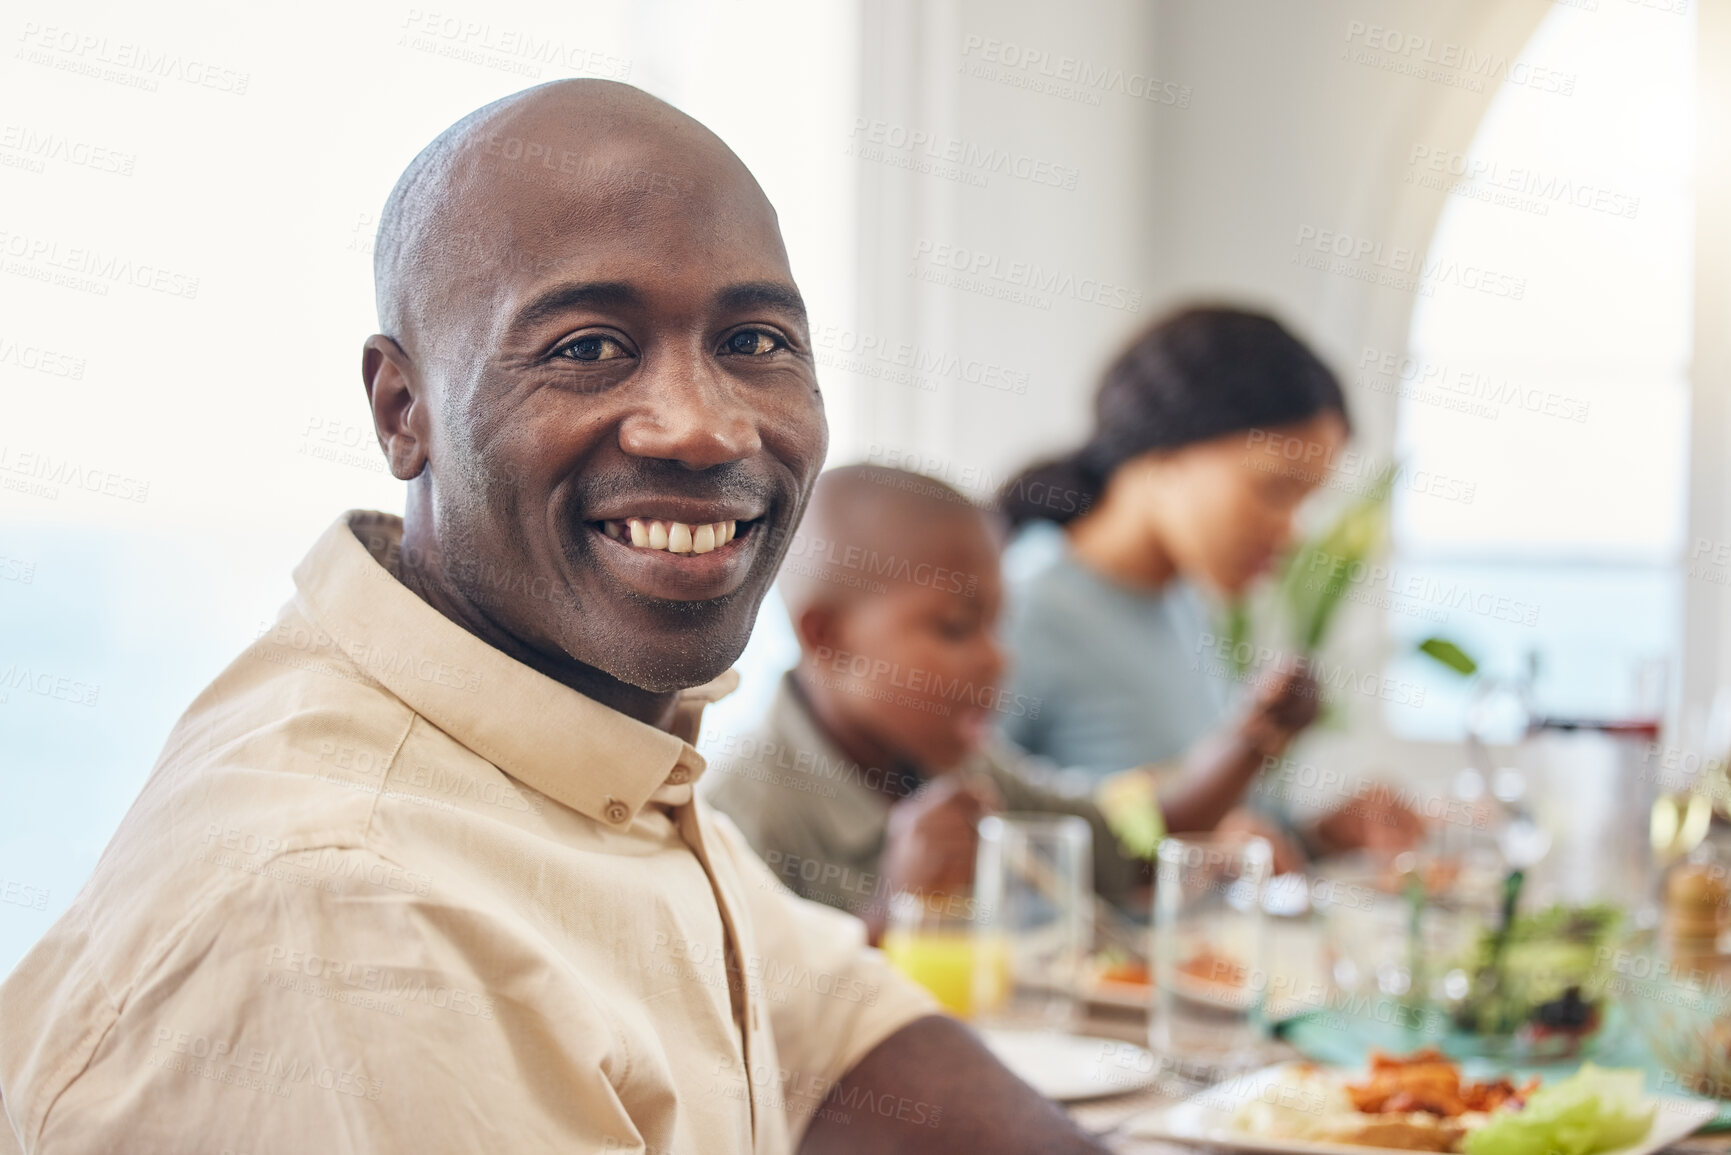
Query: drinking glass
{"points": [[1034, 919], [930, 938], [1210, 973]]}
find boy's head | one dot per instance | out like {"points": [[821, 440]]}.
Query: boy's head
{"points": [[892, 585]]}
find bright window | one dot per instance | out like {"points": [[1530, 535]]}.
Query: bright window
{"points": [[1557, 396]]}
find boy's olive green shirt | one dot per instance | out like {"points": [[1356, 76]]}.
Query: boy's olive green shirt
{"points": [[389, 890], [819, 819]]}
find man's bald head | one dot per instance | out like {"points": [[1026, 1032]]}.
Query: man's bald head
{"points": [[870, 529], [596, 375], [569, 147]]}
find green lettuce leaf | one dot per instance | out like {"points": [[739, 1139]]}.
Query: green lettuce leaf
{"points": [[1595, 1109]]}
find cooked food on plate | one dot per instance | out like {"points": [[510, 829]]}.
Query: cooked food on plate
{"points": [[1422, 1103]]}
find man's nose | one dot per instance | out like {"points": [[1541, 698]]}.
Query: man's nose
{"points": [[691, 413]]}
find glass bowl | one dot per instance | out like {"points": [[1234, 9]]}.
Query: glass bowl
{"points": [[1679, 1003]]}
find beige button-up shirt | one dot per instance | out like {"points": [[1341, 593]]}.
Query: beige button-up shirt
{"points": [[389, 890]]}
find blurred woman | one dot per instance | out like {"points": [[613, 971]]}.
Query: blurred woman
{"points": [[1209, 431]]}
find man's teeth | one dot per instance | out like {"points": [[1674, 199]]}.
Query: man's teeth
{"points": [[672, 536]]}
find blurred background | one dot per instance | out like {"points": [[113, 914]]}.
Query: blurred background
{"points": [[1505, 223]]}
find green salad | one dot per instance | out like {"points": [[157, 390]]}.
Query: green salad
{"points": [[1595, 1109], [1544, 973]]}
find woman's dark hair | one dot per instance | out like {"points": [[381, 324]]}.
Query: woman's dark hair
{"points": [[1197, 374]]}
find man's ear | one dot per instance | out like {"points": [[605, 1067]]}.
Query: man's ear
{"points": [[400, 406]]}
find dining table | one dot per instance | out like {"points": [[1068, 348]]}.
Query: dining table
{"points": [[1108, 1116]]}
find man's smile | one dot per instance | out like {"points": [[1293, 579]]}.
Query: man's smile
{"points": [[672, 536], [671, 559]]}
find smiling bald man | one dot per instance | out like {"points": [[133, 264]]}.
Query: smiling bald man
{"points": [[422, 871]]}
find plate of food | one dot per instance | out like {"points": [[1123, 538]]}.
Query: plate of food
{"points": [[1118, 979], [1071, 1068], [1423, 1102]]}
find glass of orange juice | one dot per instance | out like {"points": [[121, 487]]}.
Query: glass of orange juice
{"points": [[931, 939]]}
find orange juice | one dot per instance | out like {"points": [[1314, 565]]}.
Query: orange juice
{"points": [[945, 961]]}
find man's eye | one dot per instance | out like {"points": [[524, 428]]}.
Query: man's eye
{"points": [[754, 343], [594, 348]]}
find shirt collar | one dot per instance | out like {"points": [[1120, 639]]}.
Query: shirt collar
{"points": [[571, 748]]}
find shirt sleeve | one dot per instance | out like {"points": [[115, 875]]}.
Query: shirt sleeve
{"points": [[831, 998], [330, 1013]]}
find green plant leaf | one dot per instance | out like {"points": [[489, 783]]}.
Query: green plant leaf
{"points": [[1449, 655]]}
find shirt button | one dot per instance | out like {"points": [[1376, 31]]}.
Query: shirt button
{"points": [[680, 776], [617, 811]]}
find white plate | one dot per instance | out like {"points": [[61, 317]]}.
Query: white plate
{"points": [[1206, 1118], [1070, 1068]]}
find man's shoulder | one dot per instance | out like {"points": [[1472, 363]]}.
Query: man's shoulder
{"points": [[261, 792]]}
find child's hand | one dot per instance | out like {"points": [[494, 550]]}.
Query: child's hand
{"points": [[1248, 824], [930, 843], [1286, 702], [1374, 819]]}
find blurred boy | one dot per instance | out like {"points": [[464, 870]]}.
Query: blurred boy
{"points": [[878, 754]]}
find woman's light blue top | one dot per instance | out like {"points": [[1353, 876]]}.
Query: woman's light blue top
{"points": [[1113, 676]]}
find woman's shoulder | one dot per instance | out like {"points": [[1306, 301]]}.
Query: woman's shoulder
{"points": [[1048, 586], [1038, 565]]}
